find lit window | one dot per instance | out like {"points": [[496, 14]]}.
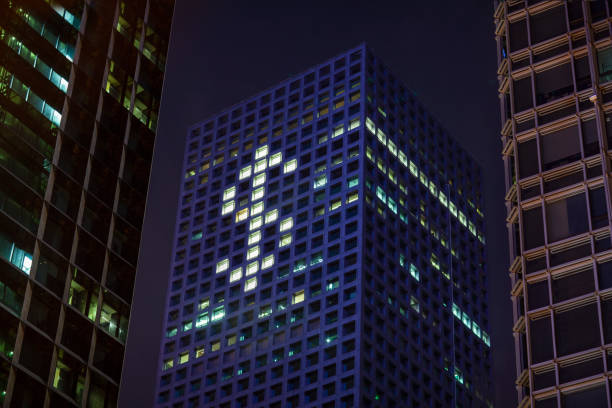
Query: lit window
{"points": [[222, 265], [265, 310], [320, 181], [257, 194], [414, 272], [414, 303], [392, 148], [252, 268], [255, 223], [392, 205], [402, 158], [432, 189], [168, 364], [462, 218], [242, 215], [259, 179], [218, 313], [267, 262], [244, 172], [335, 204], [229, 193], [382, 138], [298, 297], [202, 320], [442, 198], [354, 124], [204, 303], [275, 159], [338, 130], [423, 179], [413, 169], [250, 284], [380, 193], [228, 207], [370, 153], [452, 208], [253, 253], [215, 346], [285, 240], [353, 181], [271, 216], [290, 166], [236, 274], [199, 352], [286, 224], [370, 126], [257, 208], [254, 237], [261, 152], [352, 197], [260, 165]]}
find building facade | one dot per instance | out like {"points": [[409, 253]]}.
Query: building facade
{"points": [[555, 72], [328, 252], [79, 94]]}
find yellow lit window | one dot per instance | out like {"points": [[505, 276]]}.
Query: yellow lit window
{"points": [[242, 215], [290, 166], [253, 253], [413, 169], [339, 103], [228, 207], [392, 148], [222, 265], [168, 364], [231, 340], [442, 198], [257, 208], [335, 204], [255, 223], [352, 197], [215, 346], [183, 358], [354, 124], [260, 165], [286, 224], [229, 193], [261, 152], [257, 194], [370, 126], [323, 111], [271, 216], [236, 274], [204, 303], [298, 297], [369, 153], [275, 159], [199, 352], [267, 262], [259, 179], [285, 240], [254, 237], [244, 172], [252, 268], [402, 158], [250, 284]]}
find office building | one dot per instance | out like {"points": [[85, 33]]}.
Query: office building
{"points": [[555, 72], [329, 252], [79, 95]]}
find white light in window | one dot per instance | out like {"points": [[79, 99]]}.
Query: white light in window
{"points": [[244, 172], [286, 224], [271, 216], [267, 262], [254, 237], [261, 152], [228, 207], [222, 265], [257, 208], [236, 274], [257, 194], [259, 179], [255, 223], [250, 284], [229, 193], [275, 159], [260, 165], [298, 297], [252, 268], [285, 240], [252, 253], [290, 166]]}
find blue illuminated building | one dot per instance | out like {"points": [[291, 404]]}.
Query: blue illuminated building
{"points": [[329, 252]]}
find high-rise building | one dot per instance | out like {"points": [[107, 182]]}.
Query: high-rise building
{"points": [[80, 85], [329, 252], [555, 88]]}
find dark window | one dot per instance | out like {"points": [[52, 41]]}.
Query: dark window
{"points": [[533, 228], [576, 329], [541, 340], [566, 217], [547, 24], [528, 158], [560, 147]]}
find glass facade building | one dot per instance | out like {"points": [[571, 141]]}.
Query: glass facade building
{"points": [[329, 252], [555, 89], [79, 94]]}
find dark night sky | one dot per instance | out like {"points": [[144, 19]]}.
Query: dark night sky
{"points": [[223, 51]]}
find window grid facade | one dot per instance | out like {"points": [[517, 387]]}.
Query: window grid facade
{"points": [[295, 284], [555, 92], [79, 92]]}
